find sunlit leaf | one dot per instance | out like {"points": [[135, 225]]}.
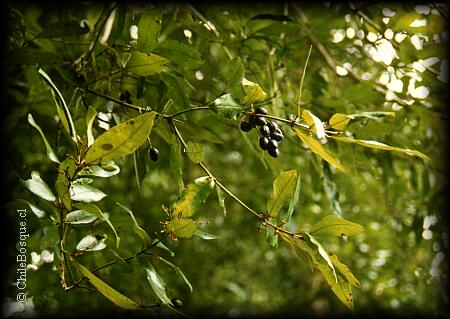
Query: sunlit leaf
{"points": [[294, 199], [380, 146], [38, 187], [204, 235], [344, 271], [122, 139], [193, 196], [180, 53], [62, 186], [149, 27], [221, 197], [332, 225], [176, 162], [253, 92], [317, 148], [157, 283], [50, 152], [145, 64], [178, 271], [85, 193], [136, 228], [195, 151], [323, 253], [225, 106], [183, 228], [283, 189], [79, 217], [92, 243], [314, 123], [107, 291], [339, 121], [105, 169], [90, 117]]}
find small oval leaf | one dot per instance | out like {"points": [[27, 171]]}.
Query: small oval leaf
{"points": [[38, 187], [91, 243], [79, 217], [85, 193], [332, 225]]}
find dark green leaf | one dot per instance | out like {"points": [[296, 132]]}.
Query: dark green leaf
{"points": [[149, 28], [50, 153], [225, 106], [145, 64], [180, 53]]}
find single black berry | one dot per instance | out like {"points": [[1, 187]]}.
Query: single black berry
{"points": [[272, 144], [125, 96], [177, 303], [272, 126], [264, 130], [263, 142], [153, 153], [274, 152], [261, 110], [252, 120], [246, 126], [260, 121], [276, 136]]}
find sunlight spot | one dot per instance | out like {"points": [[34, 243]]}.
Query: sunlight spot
{"points": [[430, 61], [388, 12], [386, 20], [384, 78], [348, 17], [417, 65], [395, 303], [338, 35], [420, 92], [443, 73], [366, 76], [134, 32], [389, 34], [375, 226], [427, 234], [429, 221], [400, 36], [187, 33], [436, 38], [341, 71], [417, 41], [360, 34], [390, 95], [422, 9], [358, 43], [418, 23], [199, 75], [350, 33], [371, 37]]}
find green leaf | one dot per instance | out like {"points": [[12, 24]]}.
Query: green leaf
{"points": [[122, 139], [221, 197], [62, 186], [107, 291], [149, 27], [50, 153], [380, 146], [193, 196], [331, 189], [40, 213], [314, 123], [371, 115], [204, 235], [157, 283], [225, 106], [104, 169], [136, 228], [283, 189], [233, 71], [344, 271], [92, 243], [195, 151], [90, 117], [32, 56], [178, 90], [197, 133], [339, 121], [145, 64], [176, 162], [317, 148], [79, 217], [178, 271], [181, 227], [294, 199], [64, 28], [85, 193], [180, 53], [324, 254], [61, 107], [253, 92], [94, 210], [332, 225], [38, 187]]}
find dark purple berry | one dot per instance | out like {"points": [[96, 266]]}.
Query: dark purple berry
{"points": [[246, 126], [252, 120], [274, 152], [125, 95], [276, 136], [261, 110], [272, 144], [272, 126], [260, 121], [263, 142], [153, 153], [264, 130]]}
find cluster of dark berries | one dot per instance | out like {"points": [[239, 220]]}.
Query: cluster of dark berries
{"points": [[270, 134], [153, 153], [126, 97]]}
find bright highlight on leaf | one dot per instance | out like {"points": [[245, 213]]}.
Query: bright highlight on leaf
{"points": [[225, 106], [91, 243], [144, 64], [339, 121], [314, 123], [157, 283], [283, 189], [253, 92], [332, 225], [50, 152], [38, 187], [183, 228], [193, 196]]}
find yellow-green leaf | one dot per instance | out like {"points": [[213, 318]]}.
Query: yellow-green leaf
{"points": [[193, 196], [314, 123], [283, 189], [339, 121], [122, 139], [380, 146], [50, 152], [318, 149], [137, 229], [344, 270], [106, 290], [323, 253], [145, 64], [183, 228], [253, 92], [157, 283], [149, 27], [90, 117], [195, 151], [335, 226]]}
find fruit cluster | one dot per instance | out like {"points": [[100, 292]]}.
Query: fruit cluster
{"points": [[270, 134]]}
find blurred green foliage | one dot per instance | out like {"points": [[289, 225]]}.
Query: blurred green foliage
{"points": [[400, 259]]}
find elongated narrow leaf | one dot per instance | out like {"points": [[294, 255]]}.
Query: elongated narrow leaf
{"points": [[371, 115], [50, 152], [85, 193], [145, 64], [61, 107], [314, 123], [39, 212], [344, 271], [92, 243], [79, 217], [221, 197], [331, 189], [106, 290], [96, 211], [62, 186], [149, 27], [225, 106], [323, 253], [253, 92], [317, 148], [380, 146], [90, 117], [38, 187], [137, 229], [181, 227], [283, 189], [176, 162], [104, 169], [122, 139], [294, 199], [204, 235], [332, 225], [339, 121], [193, 196], [157, 283], [178, 271], [195, 151]]}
